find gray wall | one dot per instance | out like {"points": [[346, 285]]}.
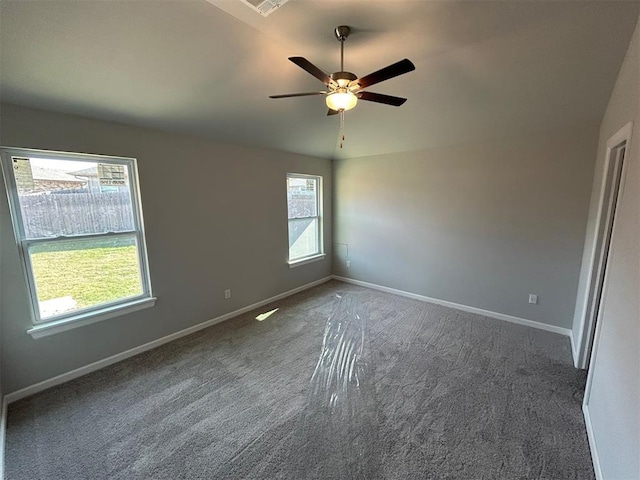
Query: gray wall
{"points": [[480, 225], [215, 218], [613, 394]]}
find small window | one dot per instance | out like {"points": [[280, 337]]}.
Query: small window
{"points": [[78, 224], [305, 217]]}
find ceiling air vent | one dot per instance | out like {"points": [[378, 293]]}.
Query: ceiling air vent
{"points": [[265, 7]]}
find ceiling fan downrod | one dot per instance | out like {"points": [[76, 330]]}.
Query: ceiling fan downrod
{"points": [[342, 33]]}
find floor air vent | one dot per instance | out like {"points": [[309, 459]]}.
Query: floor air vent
{"points": [[265, 7]]}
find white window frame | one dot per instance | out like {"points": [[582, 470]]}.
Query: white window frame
{"points": [[59, 323], [319, 255]]}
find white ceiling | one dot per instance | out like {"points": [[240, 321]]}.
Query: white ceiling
{"points": [[484, 69]]}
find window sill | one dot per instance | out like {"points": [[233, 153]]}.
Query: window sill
{"points": [[304, 261], [58, 326]]}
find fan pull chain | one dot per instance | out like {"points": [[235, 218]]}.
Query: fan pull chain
{"points": [[341, 128]]}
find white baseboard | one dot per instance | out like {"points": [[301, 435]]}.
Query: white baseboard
{"points": [[592, 443], [92, 367], [3, 429], [457, 306], [574, 351]]}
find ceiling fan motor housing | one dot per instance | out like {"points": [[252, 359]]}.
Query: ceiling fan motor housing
{"points": [[342, 97], [343, 78]]}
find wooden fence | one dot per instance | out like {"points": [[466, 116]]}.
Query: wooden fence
{"points": [[76, 213]]}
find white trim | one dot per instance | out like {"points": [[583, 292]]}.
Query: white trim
{"points": [[598, 322], [574, 351], [61, 155], [17, 220], [592, 443], [605, 283], [92, 367], [620, 136], [319, 217], [304, 261], [457, 306], [51, 328], [586, 330], [3, 434]]}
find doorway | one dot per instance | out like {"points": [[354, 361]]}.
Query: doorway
{"points": [[617, 146]]}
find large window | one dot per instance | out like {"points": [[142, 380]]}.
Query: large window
{"points": [[78, 224], [305, 217]]}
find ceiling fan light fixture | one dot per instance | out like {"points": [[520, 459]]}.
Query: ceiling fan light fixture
{"points": [[341, 100], [345, 88]]}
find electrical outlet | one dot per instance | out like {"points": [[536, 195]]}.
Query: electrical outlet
{"points": [[227, 294], [533, 298], [348, 263]]}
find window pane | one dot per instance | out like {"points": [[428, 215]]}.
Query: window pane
{"points": [[302, 195], [303, 238], [76, 274], [71, 197]]}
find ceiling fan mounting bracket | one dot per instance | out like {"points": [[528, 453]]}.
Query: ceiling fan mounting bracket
{"points": [[342, 32]]}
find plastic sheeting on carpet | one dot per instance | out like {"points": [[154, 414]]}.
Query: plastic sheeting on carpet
{"points": [[339, 421]]}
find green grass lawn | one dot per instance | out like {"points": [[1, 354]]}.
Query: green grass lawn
{"points": [[91, 276]]}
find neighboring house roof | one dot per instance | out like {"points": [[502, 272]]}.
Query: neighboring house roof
{"points": [[49, 174], [85, 172]]}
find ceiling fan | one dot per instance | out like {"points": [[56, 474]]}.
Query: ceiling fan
{"points": [[345, 88]]}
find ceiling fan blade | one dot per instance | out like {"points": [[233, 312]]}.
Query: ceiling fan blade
{"points": [[306, 94], [398, 68], [380, 98], [309, 67], [333, 112]]}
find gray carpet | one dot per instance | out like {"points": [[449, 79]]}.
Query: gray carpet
{"points": [[388, 387]]}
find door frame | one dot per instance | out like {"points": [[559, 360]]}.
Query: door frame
{"points": [[596, 279]]}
